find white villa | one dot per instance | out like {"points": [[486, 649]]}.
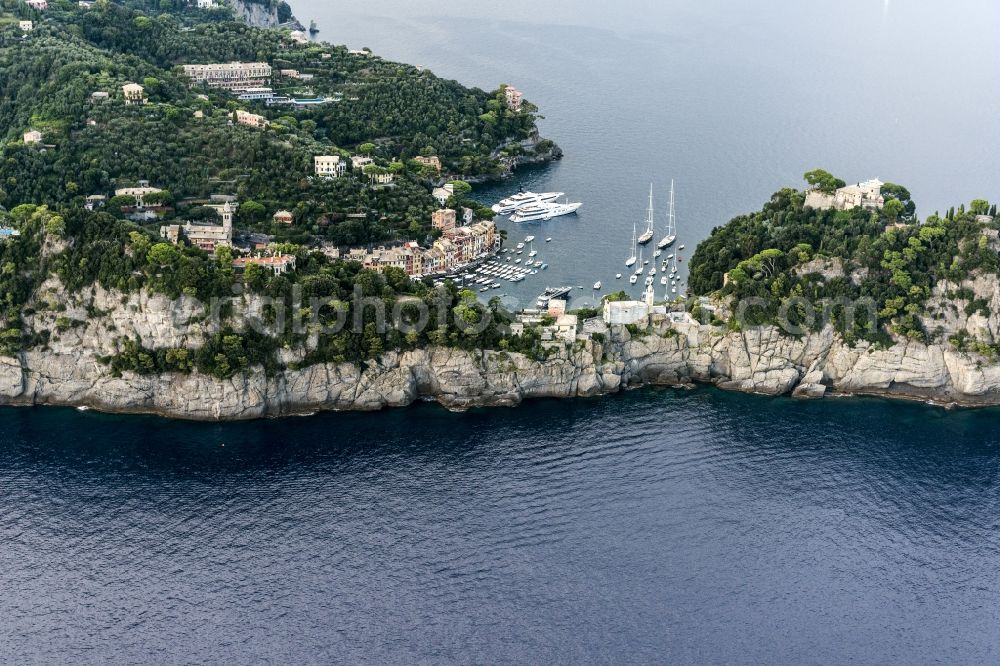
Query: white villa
{"points": [[330, 166], [32, 137], [442, 194], [360, 162]]}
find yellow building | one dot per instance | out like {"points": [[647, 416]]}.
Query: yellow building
{"points": [[135, 95], [330, 166]]}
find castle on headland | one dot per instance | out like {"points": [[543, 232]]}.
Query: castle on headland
{"points": [[866, 195]]}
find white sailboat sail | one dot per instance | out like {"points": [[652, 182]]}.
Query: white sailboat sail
{"points": [[647, 235], [671, 236], [632, 258]]}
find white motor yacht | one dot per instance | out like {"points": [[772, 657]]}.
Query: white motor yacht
{"points": [[543, 211], [522, 199]]}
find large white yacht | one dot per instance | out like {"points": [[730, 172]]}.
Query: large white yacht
{"points": [[543, 211], [521, 199]]}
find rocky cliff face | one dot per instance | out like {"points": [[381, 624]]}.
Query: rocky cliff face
{"points": [[254, 14], [69, 370]]}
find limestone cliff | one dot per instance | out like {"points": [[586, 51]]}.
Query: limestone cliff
{"points": [[255, 13], [69, 370]]}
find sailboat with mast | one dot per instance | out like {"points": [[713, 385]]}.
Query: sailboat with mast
{"points": [[671, 236], [632, 259], [647, 235]]}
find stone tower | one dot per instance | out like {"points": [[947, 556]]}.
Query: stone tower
{"points": [[227, 218]]}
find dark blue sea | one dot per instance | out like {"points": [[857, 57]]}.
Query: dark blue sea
{"points": [[649, 527]]}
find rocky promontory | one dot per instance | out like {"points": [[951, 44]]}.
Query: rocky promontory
{"points": [[72, 369]]}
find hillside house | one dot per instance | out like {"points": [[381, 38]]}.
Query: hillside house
{"points": [[330, 166], [135, 95]]}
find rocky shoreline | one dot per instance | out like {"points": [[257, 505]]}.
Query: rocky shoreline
{"points": [[761, 361]]}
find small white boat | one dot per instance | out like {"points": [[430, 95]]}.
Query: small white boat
{"points": [[517, 261], [663, 280], [597, 285], [652, 270], [528, 239], [548, 240], [658, 253], [680, 247], [533, 253], [633, 279], [520, 246], [618, 276], [544, 266]]}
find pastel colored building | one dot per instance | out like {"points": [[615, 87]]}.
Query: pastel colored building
{"points": [[252, 120], [514, 97], [277, 264], [135, 95], [231, 75], [330, 166]]}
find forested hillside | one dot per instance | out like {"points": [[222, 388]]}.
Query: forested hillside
{"points": [[50, 73], [184, 140], [791, 251]]}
